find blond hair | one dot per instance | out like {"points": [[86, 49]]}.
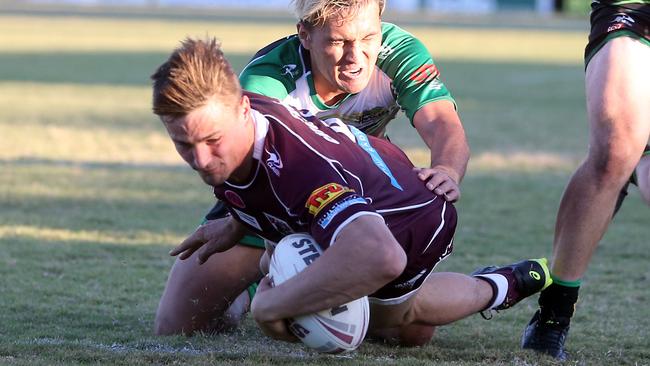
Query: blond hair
{"points": [[195, 73], [318, 12]]}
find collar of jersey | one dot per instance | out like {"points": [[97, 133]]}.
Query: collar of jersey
{"points": [[261, 124]]}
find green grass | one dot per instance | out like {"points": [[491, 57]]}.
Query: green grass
{"points": [[92, 194]]}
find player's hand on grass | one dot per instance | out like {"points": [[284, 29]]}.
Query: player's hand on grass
{"points": [[212, 237], [276, 329], [440, 180]]}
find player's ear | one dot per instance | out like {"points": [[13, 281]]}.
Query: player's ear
{"points": [[245, 107], [303, 34]]}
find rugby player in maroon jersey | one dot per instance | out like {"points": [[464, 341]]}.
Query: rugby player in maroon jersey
{"points": [[381, 229]]}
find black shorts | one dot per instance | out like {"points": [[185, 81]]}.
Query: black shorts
{"points": [[608, 22], [427, 237]]}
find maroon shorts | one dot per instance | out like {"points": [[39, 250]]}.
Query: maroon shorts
{"points": [[427, 236], [608, 21]]}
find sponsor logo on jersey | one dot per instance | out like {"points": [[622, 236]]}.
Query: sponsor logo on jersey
{"points": [[337, 208], [385, 51], [289, 69], [321, 196], [280, 225], [248, 219], [623, 18], [424, 73], [435, 84], [234, 199], [274, 162], [620, 21]]}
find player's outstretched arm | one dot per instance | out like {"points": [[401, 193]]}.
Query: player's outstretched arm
{"points": [[212, 237], [364, 257], [441, 129]]}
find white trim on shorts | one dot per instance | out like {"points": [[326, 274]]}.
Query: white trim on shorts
{"points": [[403, 298]]}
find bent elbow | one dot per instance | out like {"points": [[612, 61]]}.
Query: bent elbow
{"points": [[393, 262]]}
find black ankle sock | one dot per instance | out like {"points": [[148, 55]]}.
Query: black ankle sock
{"points": [[558, 302]]}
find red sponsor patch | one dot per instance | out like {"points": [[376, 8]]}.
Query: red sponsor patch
{"points": [[424, 73], [234, 198], [614, 27], [321, 196]]}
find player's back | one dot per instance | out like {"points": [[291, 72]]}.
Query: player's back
{"points": [[311, 150]]}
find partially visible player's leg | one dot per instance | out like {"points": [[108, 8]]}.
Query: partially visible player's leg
{"points": [[618, 104], [443, 298], [196, 297], [447, 297]]}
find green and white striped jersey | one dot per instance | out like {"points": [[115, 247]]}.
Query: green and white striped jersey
{"points": [[405, 77]]}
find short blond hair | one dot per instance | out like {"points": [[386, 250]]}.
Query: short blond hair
{"points": [[196, 72], [318, 12]]}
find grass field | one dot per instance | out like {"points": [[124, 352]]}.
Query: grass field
{"points": [[93, 196]]}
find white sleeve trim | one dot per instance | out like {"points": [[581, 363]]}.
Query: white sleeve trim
{"points": [[348, 220]]}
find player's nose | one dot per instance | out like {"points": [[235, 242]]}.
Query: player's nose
{"points": [[201, 156]]}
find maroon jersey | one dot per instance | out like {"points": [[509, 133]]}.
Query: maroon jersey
{"points": [[316, 177]]}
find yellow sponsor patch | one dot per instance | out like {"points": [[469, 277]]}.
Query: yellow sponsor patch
{"points": [[321, 196]]}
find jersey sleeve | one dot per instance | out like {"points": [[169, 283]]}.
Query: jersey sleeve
{"points": [[331, 207], [273, 70], [415, 76], [316, 181], [261, 80]]}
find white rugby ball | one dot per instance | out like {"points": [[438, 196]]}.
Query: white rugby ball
{"points": [[336, 330]]}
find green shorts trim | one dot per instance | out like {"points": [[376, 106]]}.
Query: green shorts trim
{"points": [[623, 33], [252, 289]]}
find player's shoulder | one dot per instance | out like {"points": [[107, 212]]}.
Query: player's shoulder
{"points": [[284, 121], [399, 47], [280, 61], [396, 38], [269, 106], [391, 32]]}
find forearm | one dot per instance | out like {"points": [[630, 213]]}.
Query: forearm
{"points": [[359, 263], [441, 129], [451, 152]]}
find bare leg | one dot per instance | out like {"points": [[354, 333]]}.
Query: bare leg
{"points": [[618, 108], [435, 303], [196, 296], [618, 103]]}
